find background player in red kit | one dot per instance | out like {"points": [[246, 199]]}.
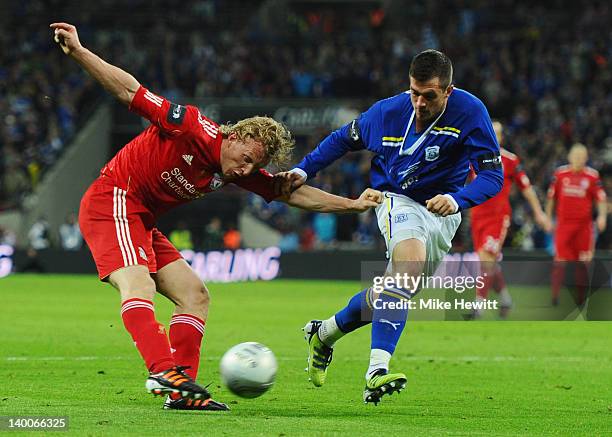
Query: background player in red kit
{"points": [[490, 222], [180, 157], [573, 190]]}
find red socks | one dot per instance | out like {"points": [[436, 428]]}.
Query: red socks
{"points": [[186, 331], [499, 283], [149, 336], [487, 281], [582, 281], [558, 275]]}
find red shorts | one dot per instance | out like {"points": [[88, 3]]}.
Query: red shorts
{"points": [[120, 232], [489, 233], [574, 241]]}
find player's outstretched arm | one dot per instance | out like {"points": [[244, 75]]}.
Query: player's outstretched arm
{"points": [[313, 199], [119, 83]]}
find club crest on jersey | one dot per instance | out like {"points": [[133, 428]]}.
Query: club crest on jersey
{"points": [[216, 182], [432, 153]]}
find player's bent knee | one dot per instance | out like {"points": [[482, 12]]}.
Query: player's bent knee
{"points": [[195, 298], [133, 282], [409, 256]]}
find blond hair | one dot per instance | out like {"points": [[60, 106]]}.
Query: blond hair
{"points": [[274, 136]]}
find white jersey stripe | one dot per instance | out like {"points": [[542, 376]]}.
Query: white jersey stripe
{"points": [[198, 327], [148, 307], [152, 99], [210, 128], [129, 245], [444, 132], [120, 215], [136, 303], [210, 131], [181, 319], [117, 226]]}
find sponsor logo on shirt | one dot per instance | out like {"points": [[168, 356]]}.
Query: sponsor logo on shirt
{"points": [[409, 181], [411, 169], [180, 184], [188, 159]]}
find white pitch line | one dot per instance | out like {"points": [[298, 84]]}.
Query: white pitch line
{"points": [[499, 358]]}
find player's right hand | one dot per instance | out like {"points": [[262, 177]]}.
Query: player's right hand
{"points": [[543, 222], [370, 198], [66, 36]]}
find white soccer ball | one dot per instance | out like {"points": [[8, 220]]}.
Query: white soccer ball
{"points": [[249, 369]]}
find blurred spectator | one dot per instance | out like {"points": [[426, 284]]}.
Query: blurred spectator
{"points": [[324, 226], [32, 262], [7, 237], [232, 238], [366, 229], [38, 236], [181, 236], [70, 234], [290, 240], [213, 235], [308, 238]]}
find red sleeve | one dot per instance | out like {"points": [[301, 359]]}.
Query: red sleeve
{"points": [[259, 183], [597, 191], [520, 177], [552, 190], [169, 117]]}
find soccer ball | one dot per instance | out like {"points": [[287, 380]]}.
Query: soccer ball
{"points": [[248, 369]]}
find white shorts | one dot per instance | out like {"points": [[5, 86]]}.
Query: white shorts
{"points": [[401, 218]]}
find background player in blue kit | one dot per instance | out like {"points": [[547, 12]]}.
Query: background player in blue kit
{"points": [[424, 141]]}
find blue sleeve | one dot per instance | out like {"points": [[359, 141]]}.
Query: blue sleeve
{"points": [[485, 158], [350, 137]]}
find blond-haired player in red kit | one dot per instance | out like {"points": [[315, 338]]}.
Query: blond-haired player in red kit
{"points": [[490, 222], [181, 156], [572, 192]]}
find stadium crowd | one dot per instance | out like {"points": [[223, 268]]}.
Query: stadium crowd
{"points": [[549, 87]]}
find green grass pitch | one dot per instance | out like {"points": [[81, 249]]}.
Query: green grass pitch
{"points": [[64, 352]]}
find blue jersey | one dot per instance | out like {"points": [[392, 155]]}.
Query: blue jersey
{"points": [[421, 164]]}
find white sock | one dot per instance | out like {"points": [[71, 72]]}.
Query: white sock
{"points": [[329, 333], [379, 359]]}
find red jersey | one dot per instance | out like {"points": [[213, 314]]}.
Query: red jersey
{"points": [[499, 205], [176, 159], [574, 193]]}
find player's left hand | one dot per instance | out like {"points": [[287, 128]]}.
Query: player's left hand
{"points": [[66, 36], [286, 182], [370, 198], [601, 223], [441, 205]]}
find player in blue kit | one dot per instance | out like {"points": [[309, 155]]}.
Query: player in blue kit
{"points": [[424, 141]]}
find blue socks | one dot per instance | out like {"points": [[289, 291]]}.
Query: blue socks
{"points": [[388, 319], [356, 314]]}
